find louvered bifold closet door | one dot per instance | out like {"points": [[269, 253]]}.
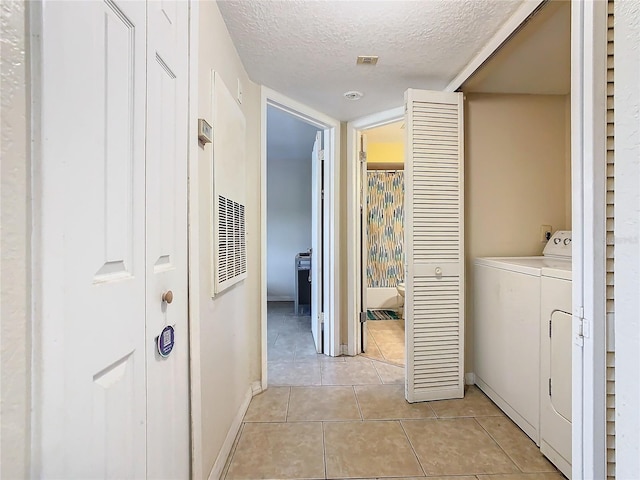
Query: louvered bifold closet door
{"points": [[434, 304]]}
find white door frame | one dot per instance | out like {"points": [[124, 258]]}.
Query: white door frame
{"points": [[354, 275], [331, 260], [317, 242], [588, 167], [193, 232], [362, 231]]}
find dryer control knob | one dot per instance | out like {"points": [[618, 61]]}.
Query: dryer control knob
{"points": [[556, 241], [567, 241]]}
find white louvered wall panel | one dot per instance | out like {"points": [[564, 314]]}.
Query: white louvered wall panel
{"points": [[611, 429], [434, 238]]}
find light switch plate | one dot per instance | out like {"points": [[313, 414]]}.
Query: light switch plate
{"points": [[205, 131]]}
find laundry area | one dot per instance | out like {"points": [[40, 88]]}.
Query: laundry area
{"points": [[516, 241], [523, 320], [518, 231]]}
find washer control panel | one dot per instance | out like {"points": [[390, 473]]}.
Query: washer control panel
{"points": [[559, 245]]}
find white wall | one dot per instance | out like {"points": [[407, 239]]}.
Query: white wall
{"points": [[227, 359], [14, 241], [515, 179], [288, 222], [627, 238]]}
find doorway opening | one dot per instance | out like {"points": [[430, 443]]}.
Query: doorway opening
{"points": [[381, 225], [357, 130], [311, 282], [295, 245]]}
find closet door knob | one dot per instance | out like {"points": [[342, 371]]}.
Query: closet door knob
{"points": [[167, 296]]}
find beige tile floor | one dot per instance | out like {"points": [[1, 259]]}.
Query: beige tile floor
{"points": [[346, 417], [385, 340]]}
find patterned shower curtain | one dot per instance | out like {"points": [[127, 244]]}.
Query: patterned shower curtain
{"points": [[385, 228]]}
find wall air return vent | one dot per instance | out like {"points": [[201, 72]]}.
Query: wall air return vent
{"points": [[228, 215], [232, 246]]}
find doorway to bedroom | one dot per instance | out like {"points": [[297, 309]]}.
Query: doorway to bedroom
{"points": [[294, 244]]}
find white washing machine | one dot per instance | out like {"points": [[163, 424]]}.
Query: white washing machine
{"points": [[507, 329], [555, 366]]}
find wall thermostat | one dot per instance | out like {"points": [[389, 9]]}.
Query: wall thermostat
{"points": [[205, 132]]}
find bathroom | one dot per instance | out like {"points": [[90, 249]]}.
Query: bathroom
{"points": [[383, 242]]}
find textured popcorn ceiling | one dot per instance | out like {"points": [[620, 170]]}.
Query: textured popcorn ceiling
{"points": [[307, 49]]}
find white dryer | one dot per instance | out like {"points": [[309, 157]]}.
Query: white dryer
{"points": [[507, 313], [555, 366]]}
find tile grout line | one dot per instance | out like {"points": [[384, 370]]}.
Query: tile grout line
{"points": [[286, 416], [435, 415], [370, 334], [321, 373], [355, 394], [379, 347], [498, 444], [424, 472], [377, 372], [324, 451]]}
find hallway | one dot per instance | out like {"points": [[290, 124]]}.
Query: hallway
{"points": [[346, 417]]}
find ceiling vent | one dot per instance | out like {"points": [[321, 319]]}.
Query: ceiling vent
{"points": [[367, 60]]}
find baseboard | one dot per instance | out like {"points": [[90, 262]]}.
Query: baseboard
{"points": [[344, 349], [470, 378], [280, 299], [256, 388], [218, 466]]}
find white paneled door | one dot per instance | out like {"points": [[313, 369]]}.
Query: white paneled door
{"points": [[434, 239], [111, 239], [166, 260]]}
